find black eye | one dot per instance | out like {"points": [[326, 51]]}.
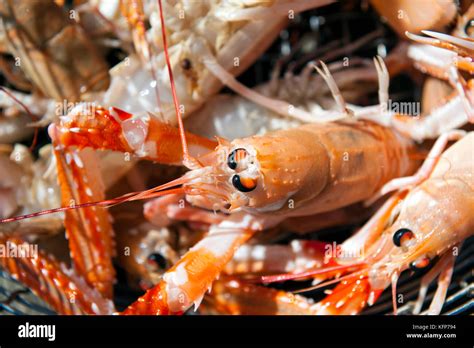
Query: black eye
{"points": [[243, 184], [236, 156], [469, 28], [186, 64], [402, 236], [421, 263], [159, 260]]}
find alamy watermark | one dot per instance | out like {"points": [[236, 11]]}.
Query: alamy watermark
{"points": [[405, 108], [336, 251], [28, 330], [65, 107], [13, 250]]}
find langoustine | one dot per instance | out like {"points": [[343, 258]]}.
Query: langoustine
{"points": [[415, 226], [77, 161], [228, 157], [247, 178]]}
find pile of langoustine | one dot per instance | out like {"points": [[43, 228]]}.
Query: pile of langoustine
{"points": [[301, 158]]}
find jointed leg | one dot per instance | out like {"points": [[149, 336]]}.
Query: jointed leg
{"points": [[88, 230], [463, 90], [426, 281], [162, 210], [298, 256], [65, 292], [336, 93], [443, 283], [188, 280], [278, 106], [114, 129], [234, 296], [384, 79]]}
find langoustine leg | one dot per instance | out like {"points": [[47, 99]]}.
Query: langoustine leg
{"points": [[57, 285], [188, 280], [233, 296]]}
